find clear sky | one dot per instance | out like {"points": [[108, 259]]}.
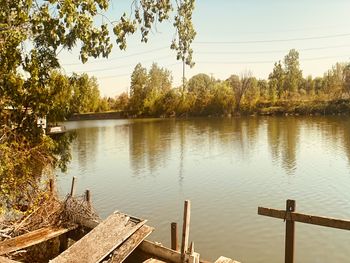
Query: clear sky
{"points": [[232, 36]]}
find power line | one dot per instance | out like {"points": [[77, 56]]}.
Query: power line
{"points": [[128, 74], [264, 61], [271, 40], [120, 66], [292, 30], [121, 57], [200, 52], [268, 51]]}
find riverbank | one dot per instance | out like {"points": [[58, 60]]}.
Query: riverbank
{"points": [[332, 107], [98, 116], [314, 107]]}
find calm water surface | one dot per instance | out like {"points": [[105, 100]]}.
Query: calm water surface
{"points": [[227, 168]]}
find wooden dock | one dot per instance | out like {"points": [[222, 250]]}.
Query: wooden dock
{"points": [[32, 238], [290, 216], [109, 235], [120, 236], [110, 241]]}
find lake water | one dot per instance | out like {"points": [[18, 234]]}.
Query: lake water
{"points": [[227, 168]]}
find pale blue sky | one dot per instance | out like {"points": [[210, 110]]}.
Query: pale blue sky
{"points": [[220, 25]]}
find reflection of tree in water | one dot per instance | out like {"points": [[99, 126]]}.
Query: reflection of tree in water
{"points": [[337, 131], [182, 137], [150, 141], [229, 135], [346, 136], [283, 139], [149, 144], [85, 145]]}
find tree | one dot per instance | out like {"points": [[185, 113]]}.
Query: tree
{"points": [[222, 101], [32, 33], [251, 96], [158, 83], [276, 81], [60, 90], [293, 74], [346, 85], [263, 88], [121, 102], [310, 86], [86, 94], [200, 87], [137, 89], [186, 34], [240, 86], [333, 81]]}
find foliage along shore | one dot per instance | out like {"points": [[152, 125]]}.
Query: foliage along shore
{"points": [[285, 91], [285, 108]]}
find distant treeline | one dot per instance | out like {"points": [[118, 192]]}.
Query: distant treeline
{"points": [[286, 91]]}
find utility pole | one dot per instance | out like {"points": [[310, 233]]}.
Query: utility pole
{"points": [[183, 76]]}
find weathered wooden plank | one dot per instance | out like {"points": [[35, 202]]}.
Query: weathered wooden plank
{"points": [[129, 245], [225, 260], [158, 251], [101, 240], [304, 218], [7, 260], [32, 238], [153, 260]]}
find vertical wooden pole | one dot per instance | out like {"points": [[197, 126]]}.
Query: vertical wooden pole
{"points": [[72, 190], [174, 238], [185, 228], [51, 185], [88, 197], [290, 230]]}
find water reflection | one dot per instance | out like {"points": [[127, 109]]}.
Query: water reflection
{"points": [[226, 167], [152, 143], [149, 144], [86, 145], [283, 135]]}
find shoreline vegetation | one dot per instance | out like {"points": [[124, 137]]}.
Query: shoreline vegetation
{"points": [[282, 108], [151, 94]]}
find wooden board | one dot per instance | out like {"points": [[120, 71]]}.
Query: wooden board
{"points": [[7, 260], [31, 238], [129, 245], [225, 260], [159, 251], [303, 218], [101, 240], [156, 250], [153, 260]]}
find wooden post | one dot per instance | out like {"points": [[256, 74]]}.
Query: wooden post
{"points": [[51, 185], [174, 238], [88, 197], [193, 257], [185, 228], [72, 190], [191, 248], [290, 230]]}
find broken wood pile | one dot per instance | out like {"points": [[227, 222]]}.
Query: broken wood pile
{"points": [[85, 238]]}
